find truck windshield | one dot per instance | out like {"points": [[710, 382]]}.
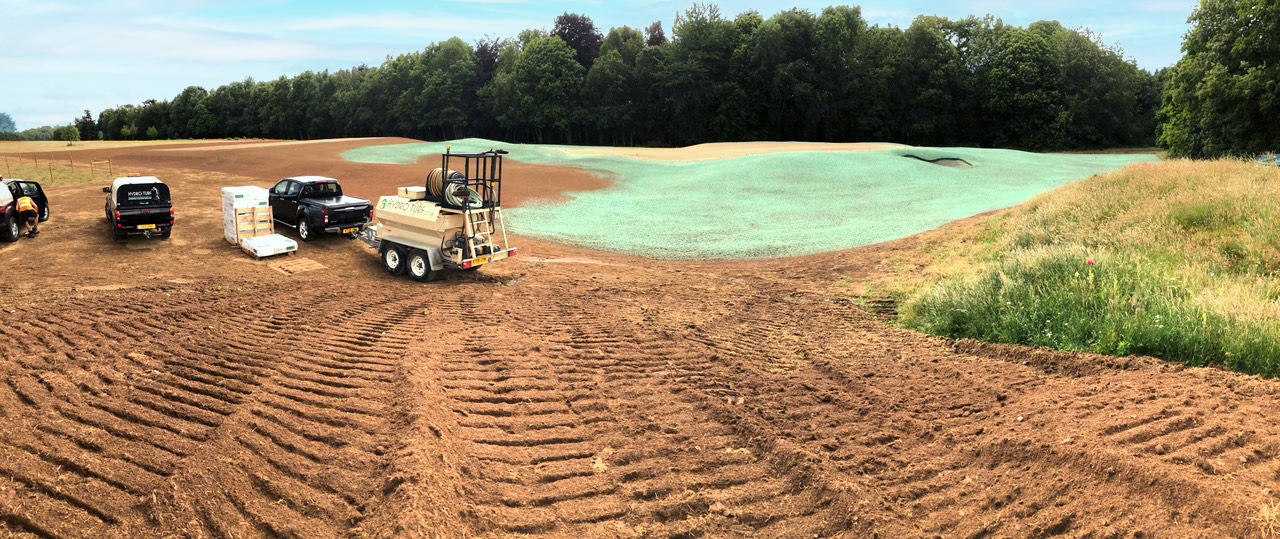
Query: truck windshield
{"points": [[147, 194], [323, 189]]}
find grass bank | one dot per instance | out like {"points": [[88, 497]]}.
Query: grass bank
{"points": [[55, 173], [1179, 260]]}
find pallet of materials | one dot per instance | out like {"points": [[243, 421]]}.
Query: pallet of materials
{"points": [[246, 213], [268, 245]]}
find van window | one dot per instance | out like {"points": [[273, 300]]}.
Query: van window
{"points": [[147, 194]]}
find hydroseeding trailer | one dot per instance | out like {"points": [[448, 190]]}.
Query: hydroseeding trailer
{"points": [[454, 221]]}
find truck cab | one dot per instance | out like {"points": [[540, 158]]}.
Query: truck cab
{"points": [[11, 189], [139, 206], [315, 204]]}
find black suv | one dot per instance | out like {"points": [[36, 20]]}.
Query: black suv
{"points": [[315, 204], [10, 191], [138, 205]]}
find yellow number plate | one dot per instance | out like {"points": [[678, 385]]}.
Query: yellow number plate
{"points": [[144, 227], [479, 261], [348, 230]]}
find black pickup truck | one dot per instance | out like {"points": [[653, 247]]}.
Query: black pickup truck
{"points": [[315, 204], [11, 190], [139, 205]]}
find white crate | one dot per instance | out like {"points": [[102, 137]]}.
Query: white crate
{"points": [[270, 245], [244, 197], [246, 213]]}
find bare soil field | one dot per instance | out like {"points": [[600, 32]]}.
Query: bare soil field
{"points": [[181, 389]]}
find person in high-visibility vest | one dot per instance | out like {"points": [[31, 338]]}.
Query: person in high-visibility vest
{"points": [[27, 211]]}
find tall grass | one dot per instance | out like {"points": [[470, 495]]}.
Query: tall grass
{"points": [[1180, 260], [54, 173]]}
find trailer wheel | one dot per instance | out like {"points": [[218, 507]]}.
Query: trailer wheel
{"points": [[420, 266], [10, 229], [393, 259]]}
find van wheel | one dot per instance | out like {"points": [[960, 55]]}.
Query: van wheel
{"points": [[10, 231], [420, 266], [393, 259], [304, 229]]}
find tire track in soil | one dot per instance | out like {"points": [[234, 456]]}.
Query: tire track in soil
{"points": [[167, 412], [914, 433], [585, 425], [794, 416]]}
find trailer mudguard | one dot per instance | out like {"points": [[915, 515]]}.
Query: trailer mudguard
{"points": [[436, 257]]}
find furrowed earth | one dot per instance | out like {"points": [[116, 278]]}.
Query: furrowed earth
{"points": [[182, 389]]}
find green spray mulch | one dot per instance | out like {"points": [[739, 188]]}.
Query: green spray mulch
{"points": [[774, 205]]}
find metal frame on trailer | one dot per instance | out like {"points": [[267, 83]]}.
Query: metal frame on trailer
{"points": [[482, 173]]}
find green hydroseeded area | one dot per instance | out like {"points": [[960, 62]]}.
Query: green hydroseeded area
{"points": [[765, 206]]}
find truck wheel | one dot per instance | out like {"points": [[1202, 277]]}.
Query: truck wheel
{"points": [[420, 266], [44, 213], [164, 235], [393, 259], [304, 228], [117, 234], [10, 231]]}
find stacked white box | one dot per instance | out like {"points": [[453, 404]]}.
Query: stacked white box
{"points": [[246, 213], [268, 245]]}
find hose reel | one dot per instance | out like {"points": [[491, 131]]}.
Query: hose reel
{"points": [[461, 196]]}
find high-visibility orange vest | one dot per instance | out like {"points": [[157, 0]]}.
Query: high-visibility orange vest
{"points": [[26, 204]]}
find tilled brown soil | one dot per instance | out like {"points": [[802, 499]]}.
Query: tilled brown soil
{"points": [[153, 391]]}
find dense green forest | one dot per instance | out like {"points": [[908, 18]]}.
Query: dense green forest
{"points": [[1223, 97], [793, 76]]}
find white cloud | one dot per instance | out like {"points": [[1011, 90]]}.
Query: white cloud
{"points": [[27, 8], [434, 24]]}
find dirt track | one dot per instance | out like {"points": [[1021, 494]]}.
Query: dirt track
{"points": [[180, 389]]}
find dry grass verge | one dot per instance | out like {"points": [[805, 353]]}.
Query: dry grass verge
{"points": [[1176, 259]]}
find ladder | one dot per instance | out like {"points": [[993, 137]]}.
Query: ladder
{"points": [[483, 222]]}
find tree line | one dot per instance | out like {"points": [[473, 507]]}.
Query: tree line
{"points": [[1223, 96], [796, 75]]}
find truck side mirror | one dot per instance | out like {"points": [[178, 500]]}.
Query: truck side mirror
{"points": [[106, 189]]}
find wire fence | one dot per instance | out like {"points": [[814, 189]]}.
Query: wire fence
{"points": [[56, 171]]}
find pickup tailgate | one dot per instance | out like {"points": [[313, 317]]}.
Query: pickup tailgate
{"points": [[349, 213], [144, 218]]}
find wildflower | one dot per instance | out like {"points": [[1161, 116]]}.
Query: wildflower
{"points": [[1089, 261]]}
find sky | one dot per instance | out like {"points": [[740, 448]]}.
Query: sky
{"points": [[60, 57]]}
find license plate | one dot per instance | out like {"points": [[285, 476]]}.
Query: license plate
{"points": [[479, 261], [349, 230], [145, 227]]}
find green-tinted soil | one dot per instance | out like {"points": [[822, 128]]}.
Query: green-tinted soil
{"points": [[773, 205]]}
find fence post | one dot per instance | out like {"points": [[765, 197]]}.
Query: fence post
{"points": [[50, 171]]}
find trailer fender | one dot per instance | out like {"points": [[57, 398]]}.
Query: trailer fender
{"points": [[436, 257]]}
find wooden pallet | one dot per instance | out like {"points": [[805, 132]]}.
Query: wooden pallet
{"points": [[293, 265]]}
